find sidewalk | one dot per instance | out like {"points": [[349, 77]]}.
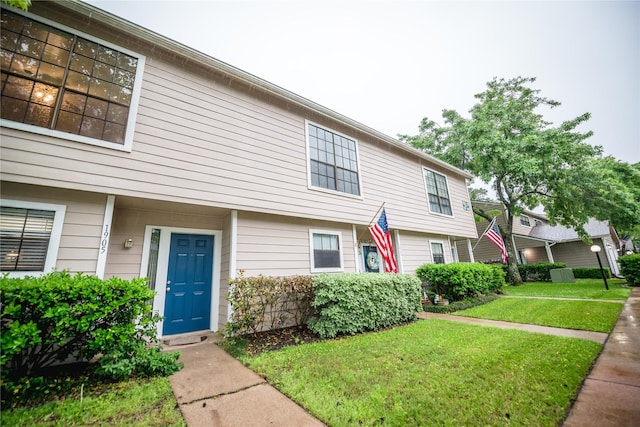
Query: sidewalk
{"points": [[610, 395], [216, 390]]}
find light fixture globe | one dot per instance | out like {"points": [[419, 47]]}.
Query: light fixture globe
{"points": [[595, 248]]}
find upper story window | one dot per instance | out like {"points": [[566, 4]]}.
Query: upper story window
{"points": [[29, 236], [525, 220], [333, 161], [437, 192], [59, 83]]}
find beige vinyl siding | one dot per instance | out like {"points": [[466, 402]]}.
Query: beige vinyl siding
{"points": [[279, 246], [534, 255], [522, 229], [578, 254], [130, 223], [81, 232], [203, 139], [416, 250]]}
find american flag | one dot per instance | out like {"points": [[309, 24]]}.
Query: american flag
{"points": [[493, 234], [382, 237]]}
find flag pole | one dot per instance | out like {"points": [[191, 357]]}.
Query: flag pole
{"points": [[377, 212], [372, 219], [485, 232]]}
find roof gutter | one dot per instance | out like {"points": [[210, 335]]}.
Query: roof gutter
{"points": [[177, 48]]}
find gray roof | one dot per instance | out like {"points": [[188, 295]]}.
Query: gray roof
{"points": [[560, 233]]}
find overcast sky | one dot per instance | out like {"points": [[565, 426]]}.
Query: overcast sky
{"points": [[388, 64]]}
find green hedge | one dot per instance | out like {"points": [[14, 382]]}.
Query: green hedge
{"points": [[265, 302], [462, 280], [540, 271], [590, 273], [350, 303], [630, 268], [52, 318]]}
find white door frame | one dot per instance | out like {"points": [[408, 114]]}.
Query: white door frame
{"points": [[361, 257], [163, 265]]}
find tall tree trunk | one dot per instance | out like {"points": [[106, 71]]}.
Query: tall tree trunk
{"points": [[513, 274]]}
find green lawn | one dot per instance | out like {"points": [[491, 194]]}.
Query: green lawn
{"points": [[584, 315], [433, 372], [583, 288], [136, 402]]}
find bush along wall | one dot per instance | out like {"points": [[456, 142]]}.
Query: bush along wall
{"points": [[590, 273], [58, 316], [462, 280], [540, 271], [630, 268], [265, 302], [351, 303]]}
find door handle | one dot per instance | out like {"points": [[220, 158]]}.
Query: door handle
{"points": [[168, 289]]}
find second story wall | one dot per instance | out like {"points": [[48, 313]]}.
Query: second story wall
{"points": [[204, 138]]}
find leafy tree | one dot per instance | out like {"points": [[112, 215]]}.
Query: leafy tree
{"points": [[530, 162], [20, 4]]}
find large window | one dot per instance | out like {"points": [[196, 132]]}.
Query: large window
{"points": [[326, 250], [29, 236], [333, 161], [55, 80], [524, 220], [437, 192]]}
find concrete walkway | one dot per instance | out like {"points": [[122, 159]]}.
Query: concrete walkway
{"points": [[610, 395], [216, 390]]}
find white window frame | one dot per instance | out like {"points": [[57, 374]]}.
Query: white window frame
{"points": [[528, 219], [133, 107], [444, 249], [54, 237], [312, 260], [327, 190], [426, 191]]}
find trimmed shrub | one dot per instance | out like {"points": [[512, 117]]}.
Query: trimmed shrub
{"points": [[58, 317], [630, 268], [351, 303], [590, 273], [540, 271], [263, 302], [462, 280]]}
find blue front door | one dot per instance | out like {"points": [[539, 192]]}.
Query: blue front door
{"points": [[188, 303]]}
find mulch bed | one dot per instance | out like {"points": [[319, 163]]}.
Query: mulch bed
{"points": [[278, 338]]}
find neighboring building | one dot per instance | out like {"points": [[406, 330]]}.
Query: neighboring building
{"points": [[537, 241], [127, 154]]}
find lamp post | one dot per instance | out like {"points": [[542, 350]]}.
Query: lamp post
{"points": [[596, 250]]}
